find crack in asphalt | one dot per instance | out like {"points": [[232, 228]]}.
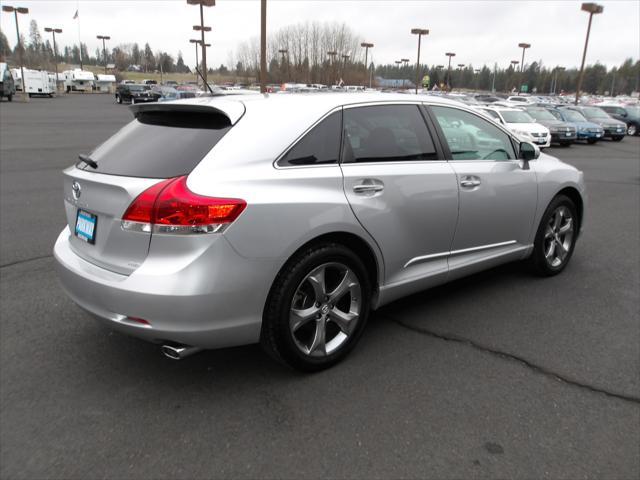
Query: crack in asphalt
{"points": [[26, 260], [510, 356]]}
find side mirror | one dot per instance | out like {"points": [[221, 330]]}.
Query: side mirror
{"points": [[528, 151]]}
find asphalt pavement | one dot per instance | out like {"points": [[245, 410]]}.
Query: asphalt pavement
{"points": [[501, 374]]}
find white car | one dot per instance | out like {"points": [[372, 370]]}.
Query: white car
{"points": [[521, 100], [522, 124]]}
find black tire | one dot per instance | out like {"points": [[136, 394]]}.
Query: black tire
{"points": [[538, 261], [118, 99], [591, 141], [632, 129], [276, 336], [617, 139], [10, 97]]}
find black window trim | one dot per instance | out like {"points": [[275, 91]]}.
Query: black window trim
{"points": [[515, 143], [428, 123], [279, 158]]}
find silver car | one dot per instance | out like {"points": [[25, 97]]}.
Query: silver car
{"points": [[287, 219]]}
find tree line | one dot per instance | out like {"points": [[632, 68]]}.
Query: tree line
{"points": [[300, 53], [38, 54]]}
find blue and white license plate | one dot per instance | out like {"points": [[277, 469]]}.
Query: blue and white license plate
{"points": [[86, 226]]}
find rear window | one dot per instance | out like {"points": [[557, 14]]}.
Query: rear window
{"points": [[159, 144]]}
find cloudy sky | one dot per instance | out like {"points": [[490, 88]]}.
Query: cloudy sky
{"points": [[480, 32]]}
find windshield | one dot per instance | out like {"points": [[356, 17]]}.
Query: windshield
{"points": [[594, 112], [138, 88], [541, 114], [573, 116], [513, 116]]}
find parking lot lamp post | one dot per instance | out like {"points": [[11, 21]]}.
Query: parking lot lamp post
{"points": [[460, 67], [16, 11], [366, 47], [514, 66], [398, 62], [449, 54], [593, 9], [55, 50], [283, 51], [104, 49], [201, 28], [477, 72], [332, 60], [420, 32], [196, 43], [345, 57], [524, 47]]}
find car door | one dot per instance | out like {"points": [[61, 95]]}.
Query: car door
{"points": [[401, 190], [498, 193]]}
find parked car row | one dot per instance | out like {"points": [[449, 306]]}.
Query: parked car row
{"points": [[562, 124]]}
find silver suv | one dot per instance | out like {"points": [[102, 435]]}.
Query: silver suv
{"points": [[287, 219]]}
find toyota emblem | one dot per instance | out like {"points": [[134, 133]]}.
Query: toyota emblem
{"points": [[77, 191]]}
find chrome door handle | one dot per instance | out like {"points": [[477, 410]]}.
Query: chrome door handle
{"points": [[368, 188], [470, 181]]}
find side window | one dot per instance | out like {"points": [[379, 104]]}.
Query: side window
{"points": [[470, 137], [320, 146], [386, 133]]}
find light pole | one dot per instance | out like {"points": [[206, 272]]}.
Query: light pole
{"points": [[593, 9], [196, 43], [104, 49], [555, 79], [366, 47], [398, 62], [201, 28], [405, 61], [514, 65], [263, 46], [283, 51], [16, 11], [613, 82], [332, 56], [449, 54], [524, 47], [53, 31], [420, 32], [345, 57], [460, 67]]}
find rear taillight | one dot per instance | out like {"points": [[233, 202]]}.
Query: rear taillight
{"points": [[170, 207]]}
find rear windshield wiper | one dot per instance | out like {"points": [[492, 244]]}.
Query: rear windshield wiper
{"points": [[86, 159]]}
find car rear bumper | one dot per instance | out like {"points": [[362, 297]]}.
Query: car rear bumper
{"points": [[212, 299]]}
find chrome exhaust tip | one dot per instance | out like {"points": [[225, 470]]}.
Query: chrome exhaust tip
{"points": [[178, 352]]}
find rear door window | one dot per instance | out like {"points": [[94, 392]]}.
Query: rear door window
{"points": [[386, 133], [320, 146], [160, 144]]}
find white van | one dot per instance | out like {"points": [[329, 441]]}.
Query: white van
{"points": [[78, 80]]}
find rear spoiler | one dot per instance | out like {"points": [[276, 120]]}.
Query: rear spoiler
{"points": [[232, 110]]}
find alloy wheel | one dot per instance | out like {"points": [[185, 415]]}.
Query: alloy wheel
{"points": [[558, 236], [632, 130], [325, 309]]}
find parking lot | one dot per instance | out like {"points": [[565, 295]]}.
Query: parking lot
{"points": [[502, 374]]}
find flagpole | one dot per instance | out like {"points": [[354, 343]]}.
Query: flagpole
{"points": [[79, 40]]}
